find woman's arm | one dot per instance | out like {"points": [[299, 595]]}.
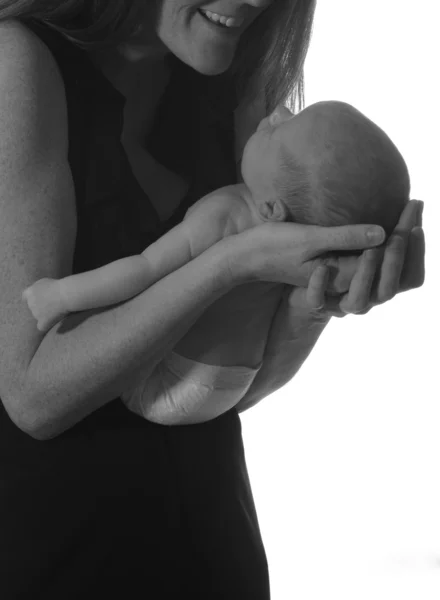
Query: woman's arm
{"points": [[50, 382], [291, 339]]}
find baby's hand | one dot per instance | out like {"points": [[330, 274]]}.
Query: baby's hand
{"points": [[45, 302]]}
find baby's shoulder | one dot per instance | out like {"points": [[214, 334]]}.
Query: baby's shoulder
{"points": [[232, 209], [225, 201]]}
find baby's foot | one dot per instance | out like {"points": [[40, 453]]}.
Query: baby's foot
{"points": [[45, 302]]}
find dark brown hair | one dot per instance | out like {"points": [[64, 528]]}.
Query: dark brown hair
{"points": [[270, 55]]}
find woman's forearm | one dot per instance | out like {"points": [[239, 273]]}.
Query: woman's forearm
{"points": [[94, 356], [291, 339]]}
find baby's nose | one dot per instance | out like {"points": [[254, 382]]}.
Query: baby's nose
{"points": [[281, 113]]}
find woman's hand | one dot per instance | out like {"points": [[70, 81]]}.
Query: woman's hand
{"points": [[289, 253], [380, 273]]}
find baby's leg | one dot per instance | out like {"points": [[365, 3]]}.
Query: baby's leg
{"points": [[45, 302], [182, 391]]}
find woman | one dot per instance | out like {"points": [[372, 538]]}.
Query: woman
{"points": [[97, 160]]}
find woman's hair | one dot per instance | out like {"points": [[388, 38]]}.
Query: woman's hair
{"points": [[270, 55], [89, 24]]}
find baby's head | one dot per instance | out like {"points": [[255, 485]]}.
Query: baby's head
{"points": [[329, 165]]}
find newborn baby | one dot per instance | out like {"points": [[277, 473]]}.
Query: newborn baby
{"points": [[329, 165]]}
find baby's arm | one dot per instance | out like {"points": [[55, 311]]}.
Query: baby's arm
{"points": [[50, 300]]}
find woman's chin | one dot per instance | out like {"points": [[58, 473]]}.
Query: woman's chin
{"points": [[209, 63], [211, 70]]}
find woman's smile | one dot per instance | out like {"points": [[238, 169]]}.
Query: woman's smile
{"points": [[222, 23], [205, 36]]}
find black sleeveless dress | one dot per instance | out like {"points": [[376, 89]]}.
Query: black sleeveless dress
{"points": [[118, 507]]}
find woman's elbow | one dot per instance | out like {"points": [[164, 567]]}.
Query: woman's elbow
{"points": [[28, 420], [41, 432], [38, 434]]}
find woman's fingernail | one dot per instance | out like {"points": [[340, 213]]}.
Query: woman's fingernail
{"points": [[376, 234]]}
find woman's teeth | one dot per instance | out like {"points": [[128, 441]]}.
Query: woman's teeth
{"points": [[220, 19]]}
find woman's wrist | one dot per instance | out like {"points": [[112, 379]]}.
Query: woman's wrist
{"points": [[232, 266], [291, 340], [294, 323], [241, 258], [299, 320]]}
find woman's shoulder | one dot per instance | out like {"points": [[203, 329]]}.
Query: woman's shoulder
{"points": [[13, 31], [25, 58], [19, 40], [32, 95], [34, 45], [28, 72]]}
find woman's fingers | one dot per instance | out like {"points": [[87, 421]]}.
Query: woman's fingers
{"points": [[401, 262], [315, 294], [413, 272], [398, 257], [311, 298], [391, 268], [341, 271], [347, 237], [357, 298], [410, 217]]}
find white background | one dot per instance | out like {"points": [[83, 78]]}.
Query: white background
{"points": [[344, 461]]}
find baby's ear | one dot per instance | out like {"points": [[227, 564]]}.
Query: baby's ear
{"points": [[273, 210]]}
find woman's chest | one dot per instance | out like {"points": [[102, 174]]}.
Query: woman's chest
{"points": [[164, 187], [138, 173]]}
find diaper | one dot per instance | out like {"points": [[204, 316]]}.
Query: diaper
{"points": [[182, 391]]}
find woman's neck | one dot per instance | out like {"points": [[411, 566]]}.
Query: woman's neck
{"points": [[131, 68]]}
